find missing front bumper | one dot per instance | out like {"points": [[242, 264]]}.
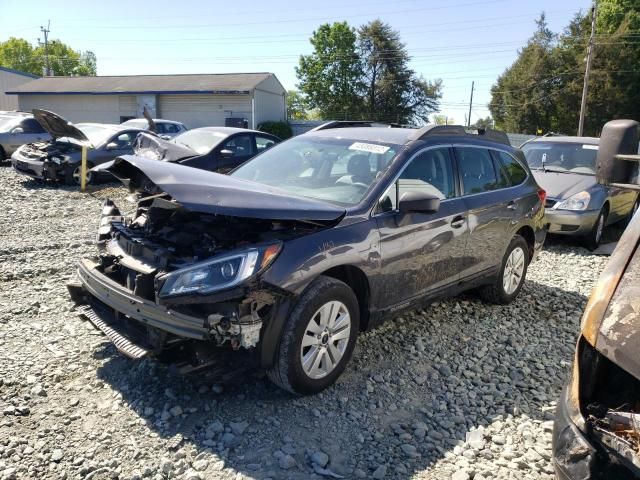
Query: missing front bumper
{"points": [[126, 303]]}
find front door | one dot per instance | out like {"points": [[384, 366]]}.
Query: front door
{"points": [[421, 252]]}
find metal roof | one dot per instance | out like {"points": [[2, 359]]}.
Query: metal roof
{"points": [[221, 83], [18, 72]]}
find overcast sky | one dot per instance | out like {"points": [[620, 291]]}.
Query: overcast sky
{"points": [[456, 40]]}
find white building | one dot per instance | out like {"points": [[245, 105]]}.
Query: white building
{"points": [[10, 79], [195, 100]]}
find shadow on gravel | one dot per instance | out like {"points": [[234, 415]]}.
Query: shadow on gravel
{"points": [[413, 390]]}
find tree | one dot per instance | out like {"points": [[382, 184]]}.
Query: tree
{"points": [[543, 87], [296, 106], [331, 77], [484, 122], [522, 98], [19, 54], [393, 92], [441, 119]]}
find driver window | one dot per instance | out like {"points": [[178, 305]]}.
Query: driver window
{"points": [[124, 140], [241, 146], [430, 171]]}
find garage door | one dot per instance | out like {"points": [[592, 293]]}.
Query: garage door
{"points": [[204, 110]]}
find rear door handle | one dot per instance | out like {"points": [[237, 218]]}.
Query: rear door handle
{"points": [[457, 222], [512, 205]]}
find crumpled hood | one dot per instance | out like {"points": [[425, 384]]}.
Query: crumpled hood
{"points": [[562, 185], [208, 192], [57, 126], [156, 148]]}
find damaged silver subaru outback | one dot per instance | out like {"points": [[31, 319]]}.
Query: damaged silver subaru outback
{"points": [[295, 252]]}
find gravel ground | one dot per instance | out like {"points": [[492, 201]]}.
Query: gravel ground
{"points": [[457, 390]]}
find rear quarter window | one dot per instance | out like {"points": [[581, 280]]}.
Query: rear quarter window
{"points": [[516, 172]]}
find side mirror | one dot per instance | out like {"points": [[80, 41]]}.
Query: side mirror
{"points": [[419, 202], [17, 131], [112, 146], [617, 160], [226, 153]]}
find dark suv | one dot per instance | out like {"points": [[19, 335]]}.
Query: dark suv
{"points": [[318, 238]]}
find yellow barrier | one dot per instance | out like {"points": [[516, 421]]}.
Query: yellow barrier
{"points": [[83, 169]]}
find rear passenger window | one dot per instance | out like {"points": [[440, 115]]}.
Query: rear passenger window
{"points": [[517, 173], [430, 171], [477, 170], [31, 125]]}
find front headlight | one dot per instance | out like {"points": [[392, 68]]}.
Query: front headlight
{"points": [[579, 201], [219, 273]]}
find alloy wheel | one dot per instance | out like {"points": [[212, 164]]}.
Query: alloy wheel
{"points": [[325, 339], [513, 270], [77, 173]]}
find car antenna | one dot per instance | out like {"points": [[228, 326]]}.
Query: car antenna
{"points": [[544, 162]]}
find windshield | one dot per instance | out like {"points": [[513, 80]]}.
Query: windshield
{"points": [[7, 122], [95, 133], [202, 141], [562, 157], [333, 169]]}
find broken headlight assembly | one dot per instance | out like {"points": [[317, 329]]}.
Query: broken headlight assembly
{"points": [[578, 202], [219, 273], [57, 160]]}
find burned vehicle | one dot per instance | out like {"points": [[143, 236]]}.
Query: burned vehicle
{"points": [[59, 159], [597, 427], [298, 250], [217, 149]]}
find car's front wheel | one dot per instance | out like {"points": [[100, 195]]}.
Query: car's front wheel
{"points": [[318, 338], [74, 172], [592, 240], [513, 270]]}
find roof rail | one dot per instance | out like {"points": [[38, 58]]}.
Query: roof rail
{"points": [[342, 124], [458, 130]]}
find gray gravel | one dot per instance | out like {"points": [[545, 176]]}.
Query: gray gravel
{"points": [[457, 390]]}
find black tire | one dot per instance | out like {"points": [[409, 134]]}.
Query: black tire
{"points": [[287, 371], [496, 292], [3, 155], [71, 176], [594, 237]]}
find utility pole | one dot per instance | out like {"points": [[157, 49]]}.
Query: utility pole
{"points": [[45, 31], [470, 105], [585, 87]]}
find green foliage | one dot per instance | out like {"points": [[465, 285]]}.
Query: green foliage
{"points": [[393, 92], [484, 122], [542, 89], [331, 77], [296, 106], [279, 129], [20, 55], [364, 75]]}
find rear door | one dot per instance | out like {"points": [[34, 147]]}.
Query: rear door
{"points": [[421, 253], [490, 209]]}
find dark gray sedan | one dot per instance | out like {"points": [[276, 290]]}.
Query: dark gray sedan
{"points": [[576, 204], [59, 158]]}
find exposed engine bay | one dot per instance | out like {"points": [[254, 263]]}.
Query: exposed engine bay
{"points": [[610, 399], [47, 150], [161, 237]]}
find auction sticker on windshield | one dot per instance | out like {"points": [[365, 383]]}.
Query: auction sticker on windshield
{"points": [[368, 147], [590, 147]]}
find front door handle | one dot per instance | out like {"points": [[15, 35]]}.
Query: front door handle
{"points": [[512, 205], [457, 222]]}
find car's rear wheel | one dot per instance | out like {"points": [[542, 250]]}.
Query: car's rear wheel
{"points": [[3, 155], [593, 239], [513, 270], [318, 338], [74, 172]]}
